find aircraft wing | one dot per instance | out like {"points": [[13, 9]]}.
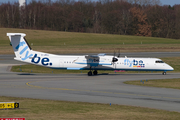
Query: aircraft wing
{"points": [[96, 56], [94, 60]]}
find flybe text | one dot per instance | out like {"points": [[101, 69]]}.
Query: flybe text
{"points": [[134, 63], [44, 61], [24, 50]]}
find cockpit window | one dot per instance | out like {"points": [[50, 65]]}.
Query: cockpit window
{"points": [[159, 61]]}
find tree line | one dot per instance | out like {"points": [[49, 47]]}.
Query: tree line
{"points": [[124, 17]]}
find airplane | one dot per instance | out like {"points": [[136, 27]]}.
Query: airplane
{"points": [[93, 63]]}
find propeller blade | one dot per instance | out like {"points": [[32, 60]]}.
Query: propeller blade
{"points": [[118, 54]]}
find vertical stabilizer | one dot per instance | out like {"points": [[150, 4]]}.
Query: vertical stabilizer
{"points": [[21, 48]]}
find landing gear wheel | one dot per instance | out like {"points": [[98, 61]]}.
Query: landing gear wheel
{"points": [[89, 73], [164, 73], [95, 72]]}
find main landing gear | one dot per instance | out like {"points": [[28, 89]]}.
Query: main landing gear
{"points": [[90, 73], [94, 72]]}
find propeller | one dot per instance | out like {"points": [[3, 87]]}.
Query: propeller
{"points": [[114, 59]]}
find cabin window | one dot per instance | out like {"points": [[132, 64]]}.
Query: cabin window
{"points": [[159, 61]]}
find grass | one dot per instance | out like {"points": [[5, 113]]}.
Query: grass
{"points": [[35, 109], [164, 83], [71, 42]]}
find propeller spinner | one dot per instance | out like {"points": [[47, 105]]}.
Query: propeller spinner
{"points": [[114, 59]]}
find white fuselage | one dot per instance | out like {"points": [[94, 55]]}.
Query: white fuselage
{"points": [[96, 63]]}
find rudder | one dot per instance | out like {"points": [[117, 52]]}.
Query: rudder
{"points": [[21, 48]]}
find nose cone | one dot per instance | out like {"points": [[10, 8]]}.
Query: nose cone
{"points": [[169, 68]]}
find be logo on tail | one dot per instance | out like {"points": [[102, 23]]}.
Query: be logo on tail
{"points": [[44, 61]]}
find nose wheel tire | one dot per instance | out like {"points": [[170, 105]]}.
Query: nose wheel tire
{"points": [[164, 73]]}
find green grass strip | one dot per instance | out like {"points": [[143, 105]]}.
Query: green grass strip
{"points": [[36, 109], [162, 83]]}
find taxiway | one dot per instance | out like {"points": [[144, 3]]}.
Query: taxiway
{"points": [[95, 89]]}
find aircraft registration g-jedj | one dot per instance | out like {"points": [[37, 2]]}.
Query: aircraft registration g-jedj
{"points": [[24, 53]]}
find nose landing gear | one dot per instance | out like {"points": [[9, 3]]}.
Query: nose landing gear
{"points": [[164, 73]]}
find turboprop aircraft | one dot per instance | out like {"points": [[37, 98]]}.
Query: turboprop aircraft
{"points": [[24, 53]]}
